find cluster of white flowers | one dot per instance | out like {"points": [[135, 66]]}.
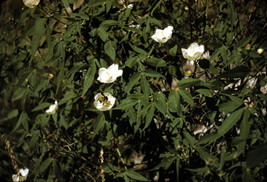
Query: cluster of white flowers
{"points": [[22, 176], [105, 101], [31, 3], [192, 53]]}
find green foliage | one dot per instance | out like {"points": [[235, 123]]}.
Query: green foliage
{"points": [[204, 121]]}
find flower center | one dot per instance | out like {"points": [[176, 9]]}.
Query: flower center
{"points": [[163, 35], [103, 99], [191, 51]]}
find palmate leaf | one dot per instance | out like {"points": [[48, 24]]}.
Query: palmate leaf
{"points": [[227, 124], [133, 80], [149, 116]]}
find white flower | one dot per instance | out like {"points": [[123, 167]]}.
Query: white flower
{"points": [[130, 6], [52, 108], [22, 176], [263, 89], [260, 51], [252, 82], [206, 55], [194, 52], [104, 102], [110, 74], [31, 3], [163, 36]]}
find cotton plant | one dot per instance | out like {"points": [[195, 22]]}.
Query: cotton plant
{"points": [[193, 52], [104, 101], [21, 176], [110, 74], [52, 108], [31, 3], [162, 36]]}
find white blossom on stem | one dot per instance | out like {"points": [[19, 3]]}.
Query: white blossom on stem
{"points": [[104, 101], [163, 36], [193, 52], [22, 176], [31, 3], [110, 74]]}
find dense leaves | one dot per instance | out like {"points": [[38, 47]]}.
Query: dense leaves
{"points": [[173, 120]]}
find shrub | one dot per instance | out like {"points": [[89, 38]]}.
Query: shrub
{"points": [[188, 104]]}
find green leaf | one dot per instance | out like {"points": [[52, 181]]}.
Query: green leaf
{"points": [[12, 114], [177, 168], [23, 119], [149, 116], [62, 122], [160, 101], [237, 72], [45, 164], [247, 176], [174, 102], [138, 50], [125, 104], [134, 175], [186, 96], [173, 50], [208, 138], [66, 3], [89, 78], [188, 82], [205, 92], [109, 50], [39, 30], [257, 155], [152, 73], [232, 105], [19, 93], [145, 86], [189, 138], [230, 121], [41, 106], [100, 122], [165, 163], [229, 106], [207, 157], [97, 3], [132, 61], [102, 34], [245, 125], [156, 62], [133, 81]]}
